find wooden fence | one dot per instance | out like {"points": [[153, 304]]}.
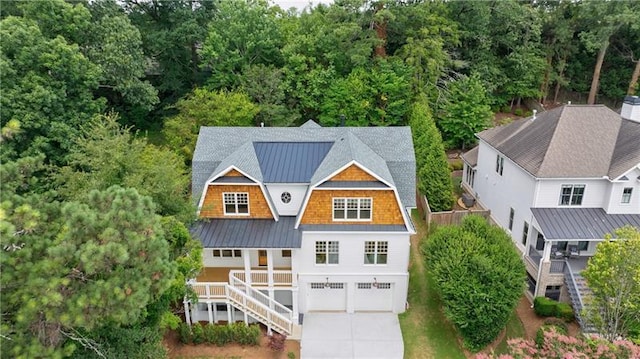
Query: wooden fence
{"points": [[447, 217]]}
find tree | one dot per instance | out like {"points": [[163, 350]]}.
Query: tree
{"points": [[605, 18], [479, 276], [206, 108], [434, 179], [465, 112], [69, 267], [108, 154], [613, 275]]}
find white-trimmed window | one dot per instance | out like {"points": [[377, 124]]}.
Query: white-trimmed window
{"points": [[236, 203], [376, 252], [512, 214], [499, 164], [571, 194], [626, 195], [471, 175], [286, 253], [525, 233], [227, 253], [327, 252], [352, 209]]}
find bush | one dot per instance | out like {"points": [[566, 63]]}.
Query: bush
{"points": [[456, 165], [222, 335], [198, 333], [245, 335], [544, 307], [210, 333], [480, 305], [276, 342], [558, 323], [564, 311], [545, 328], [291, 355], [184, 333], [518, 112]]}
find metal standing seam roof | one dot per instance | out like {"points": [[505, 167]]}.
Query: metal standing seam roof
{"points": [[580, 223], [570, 141], [290, 162], [248, 233]]}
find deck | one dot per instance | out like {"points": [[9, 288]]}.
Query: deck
{"points": [[282, 276]]}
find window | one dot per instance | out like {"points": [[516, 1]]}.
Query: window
{"points": [[286, 253], [327, 285], [236, 203], [525, 233], [571, 194], [227, 253], [327, 252], [352, 209], [512, 214], [285, 197], [626, 194], [562, 245], [499, 164], [375, 252], [540, 242], [583, 245]]}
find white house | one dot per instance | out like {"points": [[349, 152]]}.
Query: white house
{"points": [[558, 182], [296, 220]]}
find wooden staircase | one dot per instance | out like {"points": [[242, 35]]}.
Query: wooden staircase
{"points": [[250, 301]]}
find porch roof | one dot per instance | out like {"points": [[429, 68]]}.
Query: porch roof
{"points": [[248, 233], [580, 223]]}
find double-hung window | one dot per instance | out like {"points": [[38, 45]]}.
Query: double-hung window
{"points": [[327, 252], [352, 209], [376, 252], [236, 203], [512, 214], [525, 233], [571, 194], [626, 194], [499, 164]]}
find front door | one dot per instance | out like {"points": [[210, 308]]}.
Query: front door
{"points": [[262, 258]]}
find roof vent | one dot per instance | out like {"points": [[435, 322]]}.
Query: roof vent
{"points": [[631, 108]]}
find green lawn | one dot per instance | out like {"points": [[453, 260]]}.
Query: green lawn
{"points": [[426, 331], [515, 329]]}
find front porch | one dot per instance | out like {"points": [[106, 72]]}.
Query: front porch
{"points": [[557, 266], [257, 276]]}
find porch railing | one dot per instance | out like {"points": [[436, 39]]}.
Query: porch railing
{"points": [[557, 267], [209, 290], [534, 255], [261, 277]]}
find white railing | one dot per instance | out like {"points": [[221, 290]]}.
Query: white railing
{"points": [[259, 310], [261, 277], [209, 290], [261, 298]]}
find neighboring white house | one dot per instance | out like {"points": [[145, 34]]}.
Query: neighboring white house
{"points": [[295, 220], [558, 182]]}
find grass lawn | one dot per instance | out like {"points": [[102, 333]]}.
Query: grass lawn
{"points": [[515, 329], [425, 330]]}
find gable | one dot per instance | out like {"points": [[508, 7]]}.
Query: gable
{"points": [[213, 205], [353, 173]]}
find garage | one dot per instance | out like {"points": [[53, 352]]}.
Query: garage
{"points": [[374, 297], [327, 297]]}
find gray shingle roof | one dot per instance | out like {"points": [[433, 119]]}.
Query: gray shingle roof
{"points": [[570, 141], [580, 223], [290, 162], [471, 156], [387, 151], [248, 233]]}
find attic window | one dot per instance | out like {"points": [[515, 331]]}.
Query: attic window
{"points": [[236, 203], [352, 209]]}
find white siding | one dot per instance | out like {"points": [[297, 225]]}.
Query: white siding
{"points": [[514, 189], [615, 204], [297, 192], [595, 192], [351, 270]]}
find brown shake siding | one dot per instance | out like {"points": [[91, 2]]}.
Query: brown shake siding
{"points": [[213, 206], [320, 207], [234, 173], [353, 173]]}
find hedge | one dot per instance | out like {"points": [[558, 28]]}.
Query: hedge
{"points": [[220, 335], [546, 307]]}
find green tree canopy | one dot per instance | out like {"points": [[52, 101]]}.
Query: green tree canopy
{"points": [[613, 275], [478, 274]]}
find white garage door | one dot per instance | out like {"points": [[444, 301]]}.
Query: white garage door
{"points": [[327, 297], [374, 297]]}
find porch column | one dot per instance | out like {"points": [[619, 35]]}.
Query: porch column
{"points": [[187, 313], [210, 312], [546, 254], [294, 305], [215, 314], [246, 256], [270, 272], [229, 314]]}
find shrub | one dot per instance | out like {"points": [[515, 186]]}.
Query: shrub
{"points": [[198, 333], [291, 355], [544, 307], [276, 342], [481, 304], [209, 333], [564, 311], [456, 165], [184, 333], [245, 335], [505, 109], [557, 323], [518, 112], [222, 335]]}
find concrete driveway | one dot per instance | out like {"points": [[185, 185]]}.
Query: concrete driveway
{"points": [[342, 335]]}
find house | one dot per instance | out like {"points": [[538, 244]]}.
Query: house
{"points": [[296, 220], [558, 182]]}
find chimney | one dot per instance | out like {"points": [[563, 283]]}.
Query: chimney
{"points": [[631, 108]]}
